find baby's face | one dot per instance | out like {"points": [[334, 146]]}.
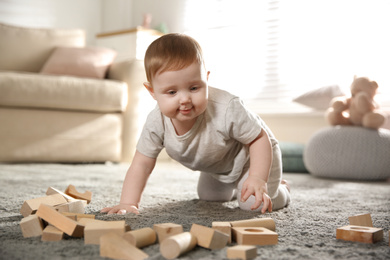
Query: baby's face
{"points": [[181, 95]]}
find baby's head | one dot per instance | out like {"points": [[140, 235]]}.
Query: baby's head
{"points": [[171, 52]]}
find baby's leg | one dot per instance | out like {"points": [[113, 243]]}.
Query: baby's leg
{"points": [[277, 190], [211, 189]]}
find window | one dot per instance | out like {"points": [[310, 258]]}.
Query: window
{"points": [[268, 52]]}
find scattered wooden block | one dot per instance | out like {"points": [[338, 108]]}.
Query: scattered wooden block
{"points": [[32, 226], [209, 237], [359, 234], [255, 236], [141, 237], [51, 233], [165, 230], [95, 229], [177, 245], [63, 223], [31, 206], [244, 252], [361, 220], [267, 223], [224, 227], [71, 191], [116, 247], [76, 206], [77, 216]]}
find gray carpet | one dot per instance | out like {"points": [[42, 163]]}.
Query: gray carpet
{"points": [[307, 228]]}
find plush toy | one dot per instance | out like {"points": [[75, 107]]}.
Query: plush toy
{"points": [[359, 109]]}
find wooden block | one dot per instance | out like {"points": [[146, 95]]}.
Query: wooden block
{"points": [[31, 206], [224, 227], [141, 237], [165, 230], [209, 237], [51, 233], [177, 245], [267, 223], [361, 220], [255, 236], [51, 191], [95, 229], [244, 252], [71, 191], [116, 247], [76, 206], [359, 234], [31, 226], [85, 221], [63, 223], [78, 216]]}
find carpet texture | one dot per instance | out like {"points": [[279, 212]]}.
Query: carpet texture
{"points": [[306, 228]]}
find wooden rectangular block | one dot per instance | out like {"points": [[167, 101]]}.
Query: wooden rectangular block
{"points": [[51, 233], [95, 229], [72, 191], [267, 223], [76, 206], [255, 236], [224, 227], [165, 230], [63, 223], [32, 205], [359, 234], [116, 247], [77, 216], [51, 191], [31, 226], [361, 220], [209, 237], [244, 252]]}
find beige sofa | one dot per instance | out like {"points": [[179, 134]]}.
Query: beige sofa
{"points": [[59, 118]]}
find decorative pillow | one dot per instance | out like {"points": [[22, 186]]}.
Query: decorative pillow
{"points": [[349, 152], [319, 99], [89, 62]]}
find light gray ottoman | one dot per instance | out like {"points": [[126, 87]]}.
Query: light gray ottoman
{"points": [[349, 152]]}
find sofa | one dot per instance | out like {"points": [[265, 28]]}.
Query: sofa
{"points": [[81, 107]]}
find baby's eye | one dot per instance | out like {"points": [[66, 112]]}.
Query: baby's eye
{"points": [[171, 92], [194, 88]]}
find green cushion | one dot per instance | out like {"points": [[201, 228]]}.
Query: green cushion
{"points": [[292, 157]]}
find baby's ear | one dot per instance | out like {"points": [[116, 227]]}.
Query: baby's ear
{"points": [[149, 87]]}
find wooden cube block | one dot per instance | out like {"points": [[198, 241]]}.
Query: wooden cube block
{"points": [[209, 237], [255, 236], [177, 245], [244, 252], [31, 226], [51, 233], [71, 191], [359, 234], [76, 206], [165, 230], [141, 237], [267, 223], [361, 220], [63, 223], [32, 205], [116, 247], [224, 227], [95, 229]]}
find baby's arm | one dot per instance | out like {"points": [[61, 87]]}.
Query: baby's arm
{"points": [[260, 152], [133, 185]]}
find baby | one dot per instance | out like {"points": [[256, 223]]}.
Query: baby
{"points": [[205, 129]]}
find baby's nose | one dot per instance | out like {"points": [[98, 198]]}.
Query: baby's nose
{"points": [[185, 98]]}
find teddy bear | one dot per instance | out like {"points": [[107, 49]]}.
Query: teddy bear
{"points": [[359, 109]]}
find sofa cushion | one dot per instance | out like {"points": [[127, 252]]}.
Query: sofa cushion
{"points": [[27, 49], [61, 92], [89, 62]]}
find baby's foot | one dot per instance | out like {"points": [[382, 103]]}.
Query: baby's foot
{"points": [[284, 182]]}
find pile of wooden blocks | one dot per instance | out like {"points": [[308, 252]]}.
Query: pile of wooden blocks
{"points": [[63, 213], [360, 229]]}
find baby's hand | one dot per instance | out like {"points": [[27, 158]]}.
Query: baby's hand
{"points": [[256, 186], [121, 209]]}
